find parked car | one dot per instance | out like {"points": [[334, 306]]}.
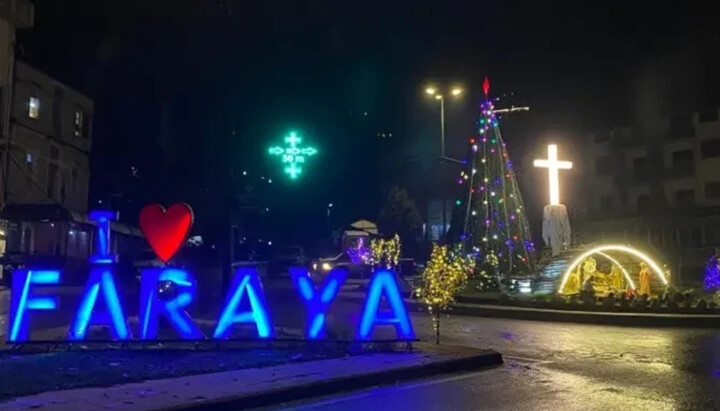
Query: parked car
{"points": [[284, 257], [324, 265]]}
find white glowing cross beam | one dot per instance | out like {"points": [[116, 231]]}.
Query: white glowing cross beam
{"points": [[553, 165]]}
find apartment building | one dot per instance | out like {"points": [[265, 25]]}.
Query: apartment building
{"points": [[656, 186]]}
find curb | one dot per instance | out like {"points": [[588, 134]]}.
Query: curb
{"points": [[652, 320], [484, 359]]}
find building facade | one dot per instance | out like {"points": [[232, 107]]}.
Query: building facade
{"points": [[50, 140], [14, 14], [656, 186], [48, 172]]}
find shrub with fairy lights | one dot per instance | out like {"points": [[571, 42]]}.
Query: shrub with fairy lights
{"points": [[445, 275], [712, 274], [385, 253]]}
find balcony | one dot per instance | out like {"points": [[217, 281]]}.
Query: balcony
{"points": [[680, 170], [20, 13]]}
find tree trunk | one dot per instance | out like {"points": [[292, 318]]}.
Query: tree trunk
{"points": [[437, 326]]}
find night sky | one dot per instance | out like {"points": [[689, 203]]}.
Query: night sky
{"points": [[182, 88]]}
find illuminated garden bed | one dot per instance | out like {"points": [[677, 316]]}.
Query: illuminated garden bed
{"points": [[677, 303]]}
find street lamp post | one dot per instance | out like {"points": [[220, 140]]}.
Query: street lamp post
{"points": [[329, 226], [455, 92]]}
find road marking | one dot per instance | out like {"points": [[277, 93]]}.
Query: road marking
{"points": [[525, 359]]}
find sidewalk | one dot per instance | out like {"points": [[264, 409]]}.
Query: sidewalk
{"points": [[691, 320], [265, 386]]}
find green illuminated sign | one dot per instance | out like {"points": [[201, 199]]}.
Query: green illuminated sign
{"points": [[293, 154]]}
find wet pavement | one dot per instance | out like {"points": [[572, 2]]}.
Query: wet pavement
{"points": [[560, 367]]}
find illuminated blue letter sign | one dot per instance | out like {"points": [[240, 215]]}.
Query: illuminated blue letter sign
{"points": [[317, 303], [23, 300], [102, 253], [246, 281], [101, 278], [384, 283], [152, 304], [166, 292]]}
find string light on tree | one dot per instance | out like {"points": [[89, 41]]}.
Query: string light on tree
{"points": [[293, 154], [385, 253], [445, 275], [494, 228]]}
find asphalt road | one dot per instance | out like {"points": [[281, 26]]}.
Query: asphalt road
{"points": [[560, 367]]}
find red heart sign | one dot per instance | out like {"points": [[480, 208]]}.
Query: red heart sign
{"points": [[165, 230]]}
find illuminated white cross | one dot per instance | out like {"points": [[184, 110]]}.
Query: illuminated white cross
{"points": [[553, 165]]}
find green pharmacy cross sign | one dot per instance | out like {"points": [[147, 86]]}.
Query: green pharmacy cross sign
{"points": [[293, 154]]}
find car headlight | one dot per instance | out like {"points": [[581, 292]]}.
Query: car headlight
{"points": [[326, 266], [314, 266]]}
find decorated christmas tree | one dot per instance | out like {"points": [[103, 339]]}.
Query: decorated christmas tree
{"points": [[491, 217]]}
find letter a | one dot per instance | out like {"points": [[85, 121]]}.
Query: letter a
{"points": [[246, 281], [101, 279], [382, 284]]}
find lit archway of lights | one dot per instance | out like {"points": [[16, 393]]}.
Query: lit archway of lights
{"points": [[613, 247]]}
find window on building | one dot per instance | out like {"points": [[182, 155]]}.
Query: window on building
{"points": [[681, 126], [52, 179], [643, 202], [690, 236], [708, 114], [601, 137], [683, 161], [712, 235], [57, 110], [29, 169], [712, 190], [34, 108], [696, 235], [639, 166], [685, 198], [603, 166], [606, 202], [682, 157], [78, 124], [74, 176], [656, 236], [710, 148]]}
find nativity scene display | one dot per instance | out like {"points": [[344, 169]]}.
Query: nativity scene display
{"points": [[607, 275]]}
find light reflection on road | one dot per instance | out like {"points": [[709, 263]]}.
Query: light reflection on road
{"points": [[561, 366]]}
